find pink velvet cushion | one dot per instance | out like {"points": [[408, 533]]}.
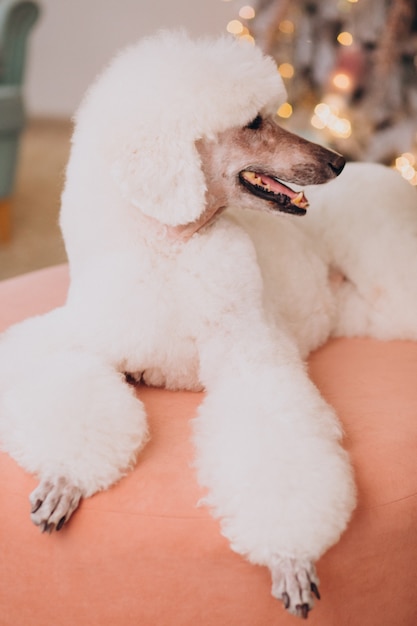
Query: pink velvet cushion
{"points": [[144, 554]]}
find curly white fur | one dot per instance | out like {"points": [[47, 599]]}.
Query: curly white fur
{"points": [[234, 307]]}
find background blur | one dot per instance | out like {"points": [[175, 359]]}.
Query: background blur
{"points": [[74, 39]]}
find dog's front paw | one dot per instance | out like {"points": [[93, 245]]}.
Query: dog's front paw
{"points": [[295, 582], [53, 502]]}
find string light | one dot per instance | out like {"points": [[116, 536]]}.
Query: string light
{"points": [[286, 70], [342, 81], [317, 122], [328, 117], [285, 110], [247, 37], [345, 38], [405, 165], [247, 12], [286, 26], [235, 27]]}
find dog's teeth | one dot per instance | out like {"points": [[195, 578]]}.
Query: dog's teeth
{"points": [[253, 178], [300, 200]]}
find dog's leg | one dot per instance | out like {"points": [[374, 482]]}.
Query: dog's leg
{"points": [[66, 416], [269, 454]]}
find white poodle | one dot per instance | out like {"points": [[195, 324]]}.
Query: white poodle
{"points": [[174, 283]]}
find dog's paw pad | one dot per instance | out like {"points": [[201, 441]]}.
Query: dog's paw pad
{"points": [[295, 582], [52, 503]]}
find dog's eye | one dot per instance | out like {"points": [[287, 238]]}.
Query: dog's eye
{"points": [[255, 123]]}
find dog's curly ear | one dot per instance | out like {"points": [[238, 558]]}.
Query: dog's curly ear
{"points": [[162, 177]]}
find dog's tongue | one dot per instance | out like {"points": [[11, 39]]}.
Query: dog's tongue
{"points": [[272, 185], [297, 197]]}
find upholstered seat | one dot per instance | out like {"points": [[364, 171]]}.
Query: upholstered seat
{"points": [[144, 554]]}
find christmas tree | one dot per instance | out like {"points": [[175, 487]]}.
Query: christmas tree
{"points": [[350, 68]]}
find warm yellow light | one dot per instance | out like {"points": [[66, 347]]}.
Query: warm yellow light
{"points": [[286, 70], [401, 162], [247, 37], [247, 12], [408, 172], [341, 81], [353, 1], [341, 128], [285, 110], [286, 26], [323, 112], [328, 117], [410, 157], [317, 122], [404, 164], [405, 161], [345, 38], [235, 27]]}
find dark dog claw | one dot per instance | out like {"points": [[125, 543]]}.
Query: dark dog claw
{"points": [[315, 590], [286, 599], [47, 528], [302, 610], [60, 523], [36, 506]]}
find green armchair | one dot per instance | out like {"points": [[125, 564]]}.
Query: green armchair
{"points": [[16, 19]]}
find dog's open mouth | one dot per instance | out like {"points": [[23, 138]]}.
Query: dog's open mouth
{"points": [[270, 188]]}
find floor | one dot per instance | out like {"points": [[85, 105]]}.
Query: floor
{"points": [[36, 240]]}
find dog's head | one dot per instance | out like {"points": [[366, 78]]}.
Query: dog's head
{"points": [[176, 117], [249, 166]]}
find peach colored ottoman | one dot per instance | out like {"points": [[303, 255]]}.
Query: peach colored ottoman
{"points": [[143, 553]]}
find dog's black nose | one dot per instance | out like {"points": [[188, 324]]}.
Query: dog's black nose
{"points": [[337, 163]]}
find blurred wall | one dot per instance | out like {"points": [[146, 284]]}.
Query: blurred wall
{"points": [[74, 39]]}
